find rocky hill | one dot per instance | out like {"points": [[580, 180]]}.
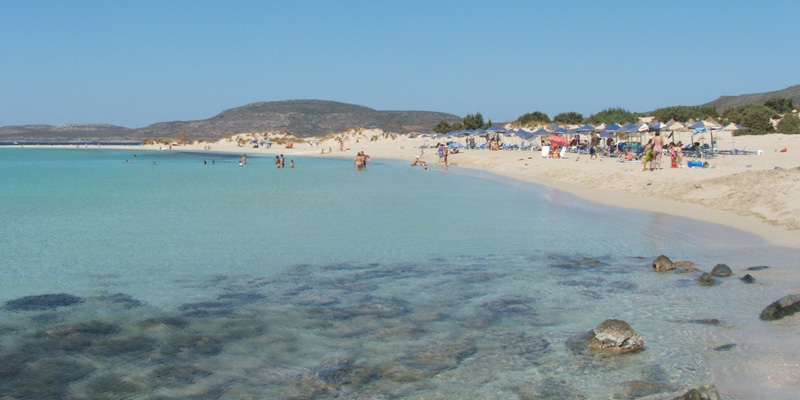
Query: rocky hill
{"points": [[724, 102], [304, 118]]}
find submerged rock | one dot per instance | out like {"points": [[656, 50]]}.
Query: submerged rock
{"points": [[663, 263], [614, 336], [119, 300], [705, 321], [748, 279], [721, 270], [757, 268], [705, 392], [705, 279], [42, 302], [347, 372], [784, 307]]}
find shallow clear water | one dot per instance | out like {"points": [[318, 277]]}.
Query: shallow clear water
{"points": [[218, 281]]}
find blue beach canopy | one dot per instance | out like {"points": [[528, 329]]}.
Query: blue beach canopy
{"points": [[495, 129], [540, 132]]}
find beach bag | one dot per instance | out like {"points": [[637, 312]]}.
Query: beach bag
{"points": [[695, 164]]}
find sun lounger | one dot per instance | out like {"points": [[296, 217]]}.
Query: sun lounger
{"points": [[545, 151]]}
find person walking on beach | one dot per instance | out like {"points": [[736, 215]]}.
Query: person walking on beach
{"points": [[440, 150], [658, 149]]}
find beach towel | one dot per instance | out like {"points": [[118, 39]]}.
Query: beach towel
{"points": [[648, 155]]}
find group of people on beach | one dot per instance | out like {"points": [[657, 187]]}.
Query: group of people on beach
{"points": [[654, 150], [441, 149]]}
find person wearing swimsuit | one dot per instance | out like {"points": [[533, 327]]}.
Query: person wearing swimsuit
{"points": [[658, 146]]}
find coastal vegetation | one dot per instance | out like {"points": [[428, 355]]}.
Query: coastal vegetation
{"points": [[159, 140], [469, 122], [684, 113], [569, 118], [756, 117], [615, 115], [531, 118], [776, 114], [790, 123]]}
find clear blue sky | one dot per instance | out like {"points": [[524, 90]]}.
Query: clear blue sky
{"points": [[134, 63]]}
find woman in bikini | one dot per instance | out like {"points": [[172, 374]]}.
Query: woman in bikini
{"points": [[658, 146]]}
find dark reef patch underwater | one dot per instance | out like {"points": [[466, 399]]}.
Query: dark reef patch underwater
{"points": [[335, 331]]}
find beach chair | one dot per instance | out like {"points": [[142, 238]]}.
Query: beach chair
{"points": [[563, 152], [545, 151]]}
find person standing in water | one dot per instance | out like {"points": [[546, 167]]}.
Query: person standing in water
{"points": [[359, 161]]}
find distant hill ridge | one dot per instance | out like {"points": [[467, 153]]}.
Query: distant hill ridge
{"points": [[304, 118], [725, 102]]}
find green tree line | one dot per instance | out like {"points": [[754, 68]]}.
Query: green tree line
{"points": [[756, 117]]}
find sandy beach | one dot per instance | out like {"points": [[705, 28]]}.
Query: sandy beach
{"points": [[754, 193]]}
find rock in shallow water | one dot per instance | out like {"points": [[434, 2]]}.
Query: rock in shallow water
{"points": [[705, 392], [614, 336], [663, 263], [721, 270], [705, 279], [784, 307], [42, 302]]}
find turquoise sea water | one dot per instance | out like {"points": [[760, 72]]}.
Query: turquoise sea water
{"points": [[196, 280]]}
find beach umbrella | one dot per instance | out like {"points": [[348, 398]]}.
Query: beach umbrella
{"points": [[731, 128], [558, 140], [705, 126], [675, 126], [495, 129], [539, 133], [587, 128], [612, 128], [658, 126]]}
